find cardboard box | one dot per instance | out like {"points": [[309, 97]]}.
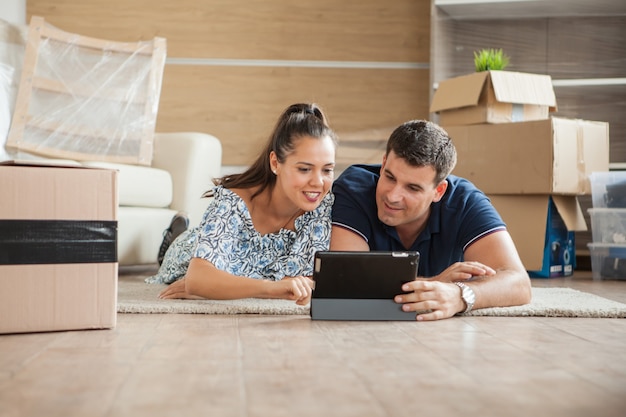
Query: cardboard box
{"points": [[493, 97], [554, 156], [58, 248], [542, 227]]}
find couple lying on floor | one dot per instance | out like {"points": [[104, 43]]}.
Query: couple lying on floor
{"points": [[260, 232]]}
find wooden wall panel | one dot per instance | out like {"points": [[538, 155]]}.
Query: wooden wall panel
{"points": [[353, 30], [240, 105], [265, 42]]}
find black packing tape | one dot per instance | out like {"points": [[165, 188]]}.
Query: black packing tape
{"points": [[26, 242]]}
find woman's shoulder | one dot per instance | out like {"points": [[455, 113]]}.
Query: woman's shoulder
{"points": [[228, 195], [327, 202], [326, 205], [322, 211], [225, 202]]}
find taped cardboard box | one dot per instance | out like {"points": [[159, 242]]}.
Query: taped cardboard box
{"points": [[58, 248], [554, 156], [542, 227], [493, 97]]}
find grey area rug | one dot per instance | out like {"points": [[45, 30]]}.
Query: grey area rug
{"points": [[135, 296]]}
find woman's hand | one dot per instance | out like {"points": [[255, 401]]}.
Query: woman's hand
{"points": [[177, 290], [298, 289]]}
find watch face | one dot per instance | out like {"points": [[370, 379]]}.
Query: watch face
{"points": [[469, 296]]}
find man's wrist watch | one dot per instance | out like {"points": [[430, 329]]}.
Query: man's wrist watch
{"points": [[468, 296]]}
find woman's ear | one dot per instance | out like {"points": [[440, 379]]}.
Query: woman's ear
{"points": [[273, 162]]}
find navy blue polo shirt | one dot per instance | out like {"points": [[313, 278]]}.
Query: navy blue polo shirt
{"points": [[462, 216]]}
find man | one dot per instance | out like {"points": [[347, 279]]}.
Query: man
{"points": [[411, 202]]}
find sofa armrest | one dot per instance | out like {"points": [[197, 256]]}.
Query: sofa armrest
{"points": [[193, 159]]}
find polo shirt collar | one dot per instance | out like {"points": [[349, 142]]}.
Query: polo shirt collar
{"points": [[433, 226]]}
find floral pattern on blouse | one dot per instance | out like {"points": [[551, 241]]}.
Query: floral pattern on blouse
{"points": [[226, 237]]}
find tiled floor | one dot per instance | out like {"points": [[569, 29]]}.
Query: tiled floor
{"points": [[198, 365]]}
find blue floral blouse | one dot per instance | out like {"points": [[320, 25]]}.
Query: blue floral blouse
{"points": [[227, 238]]}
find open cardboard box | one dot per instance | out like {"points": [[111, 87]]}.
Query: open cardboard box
{"points": [[542, 227], [58, 248], [553, 156], [493, 97]]}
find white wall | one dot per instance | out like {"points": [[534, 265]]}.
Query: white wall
{"points": [[13, 11]]}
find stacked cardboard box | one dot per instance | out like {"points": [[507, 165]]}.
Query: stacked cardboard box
{"points": [[608, 225], [58, 248], [532, 165]]}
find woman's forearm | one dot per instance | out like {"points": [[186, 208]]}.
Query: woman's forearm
{"points": [[203, 279]]}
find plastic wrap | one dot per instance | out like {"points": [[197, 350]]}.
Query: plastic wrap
{"points": [[12, 41], [87, 99]]}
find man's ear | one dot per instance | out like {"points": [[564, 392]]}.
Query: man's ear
{"points": [[440, 190], [383, 164]]}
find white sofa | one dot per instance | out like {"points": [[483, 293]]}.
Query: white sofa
{"points": [[183, 166]]}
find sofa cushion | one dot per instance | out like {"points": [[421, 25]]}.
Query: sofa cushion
{"points": [[139, 234], [140, 186]]}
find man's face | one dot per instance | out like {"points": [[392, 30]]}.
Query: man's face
{"points": [[404, 192]]}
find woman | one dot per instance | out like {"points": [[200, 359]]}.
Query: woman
{"points": [[258, 236]]}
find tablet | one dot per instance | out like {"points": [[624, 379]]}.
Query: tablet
{"points": [[361, 285]]}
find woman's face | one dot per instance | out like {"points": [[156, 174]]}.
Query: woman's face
{"points": [[306, 175]]}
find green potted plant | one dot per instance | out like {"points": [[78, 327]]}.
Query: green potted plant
{"points": [[490, 59]]}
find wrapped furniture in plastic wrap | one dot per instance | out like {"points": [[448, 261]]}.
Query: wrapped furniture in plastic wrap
{"points": [[12, 41], [87, 99]]}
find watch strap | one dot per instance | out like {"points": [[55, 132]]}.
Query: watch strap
{"points": [[468, 296]]}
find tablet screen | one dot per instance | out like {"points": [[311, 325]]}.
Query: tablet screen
{"points": [[363, 275]]}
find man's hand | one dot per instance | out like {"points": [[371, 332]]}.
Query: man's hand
{"points": [[438, 297], [433, 300]]}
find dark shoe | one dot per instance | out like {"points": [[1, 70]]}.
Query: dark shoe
{"points": [[179, 224]]}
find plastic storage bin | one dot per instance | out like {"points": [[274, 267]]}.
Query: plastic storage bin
{"points": [[608, 225], [608, 260], [608, 189]]}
